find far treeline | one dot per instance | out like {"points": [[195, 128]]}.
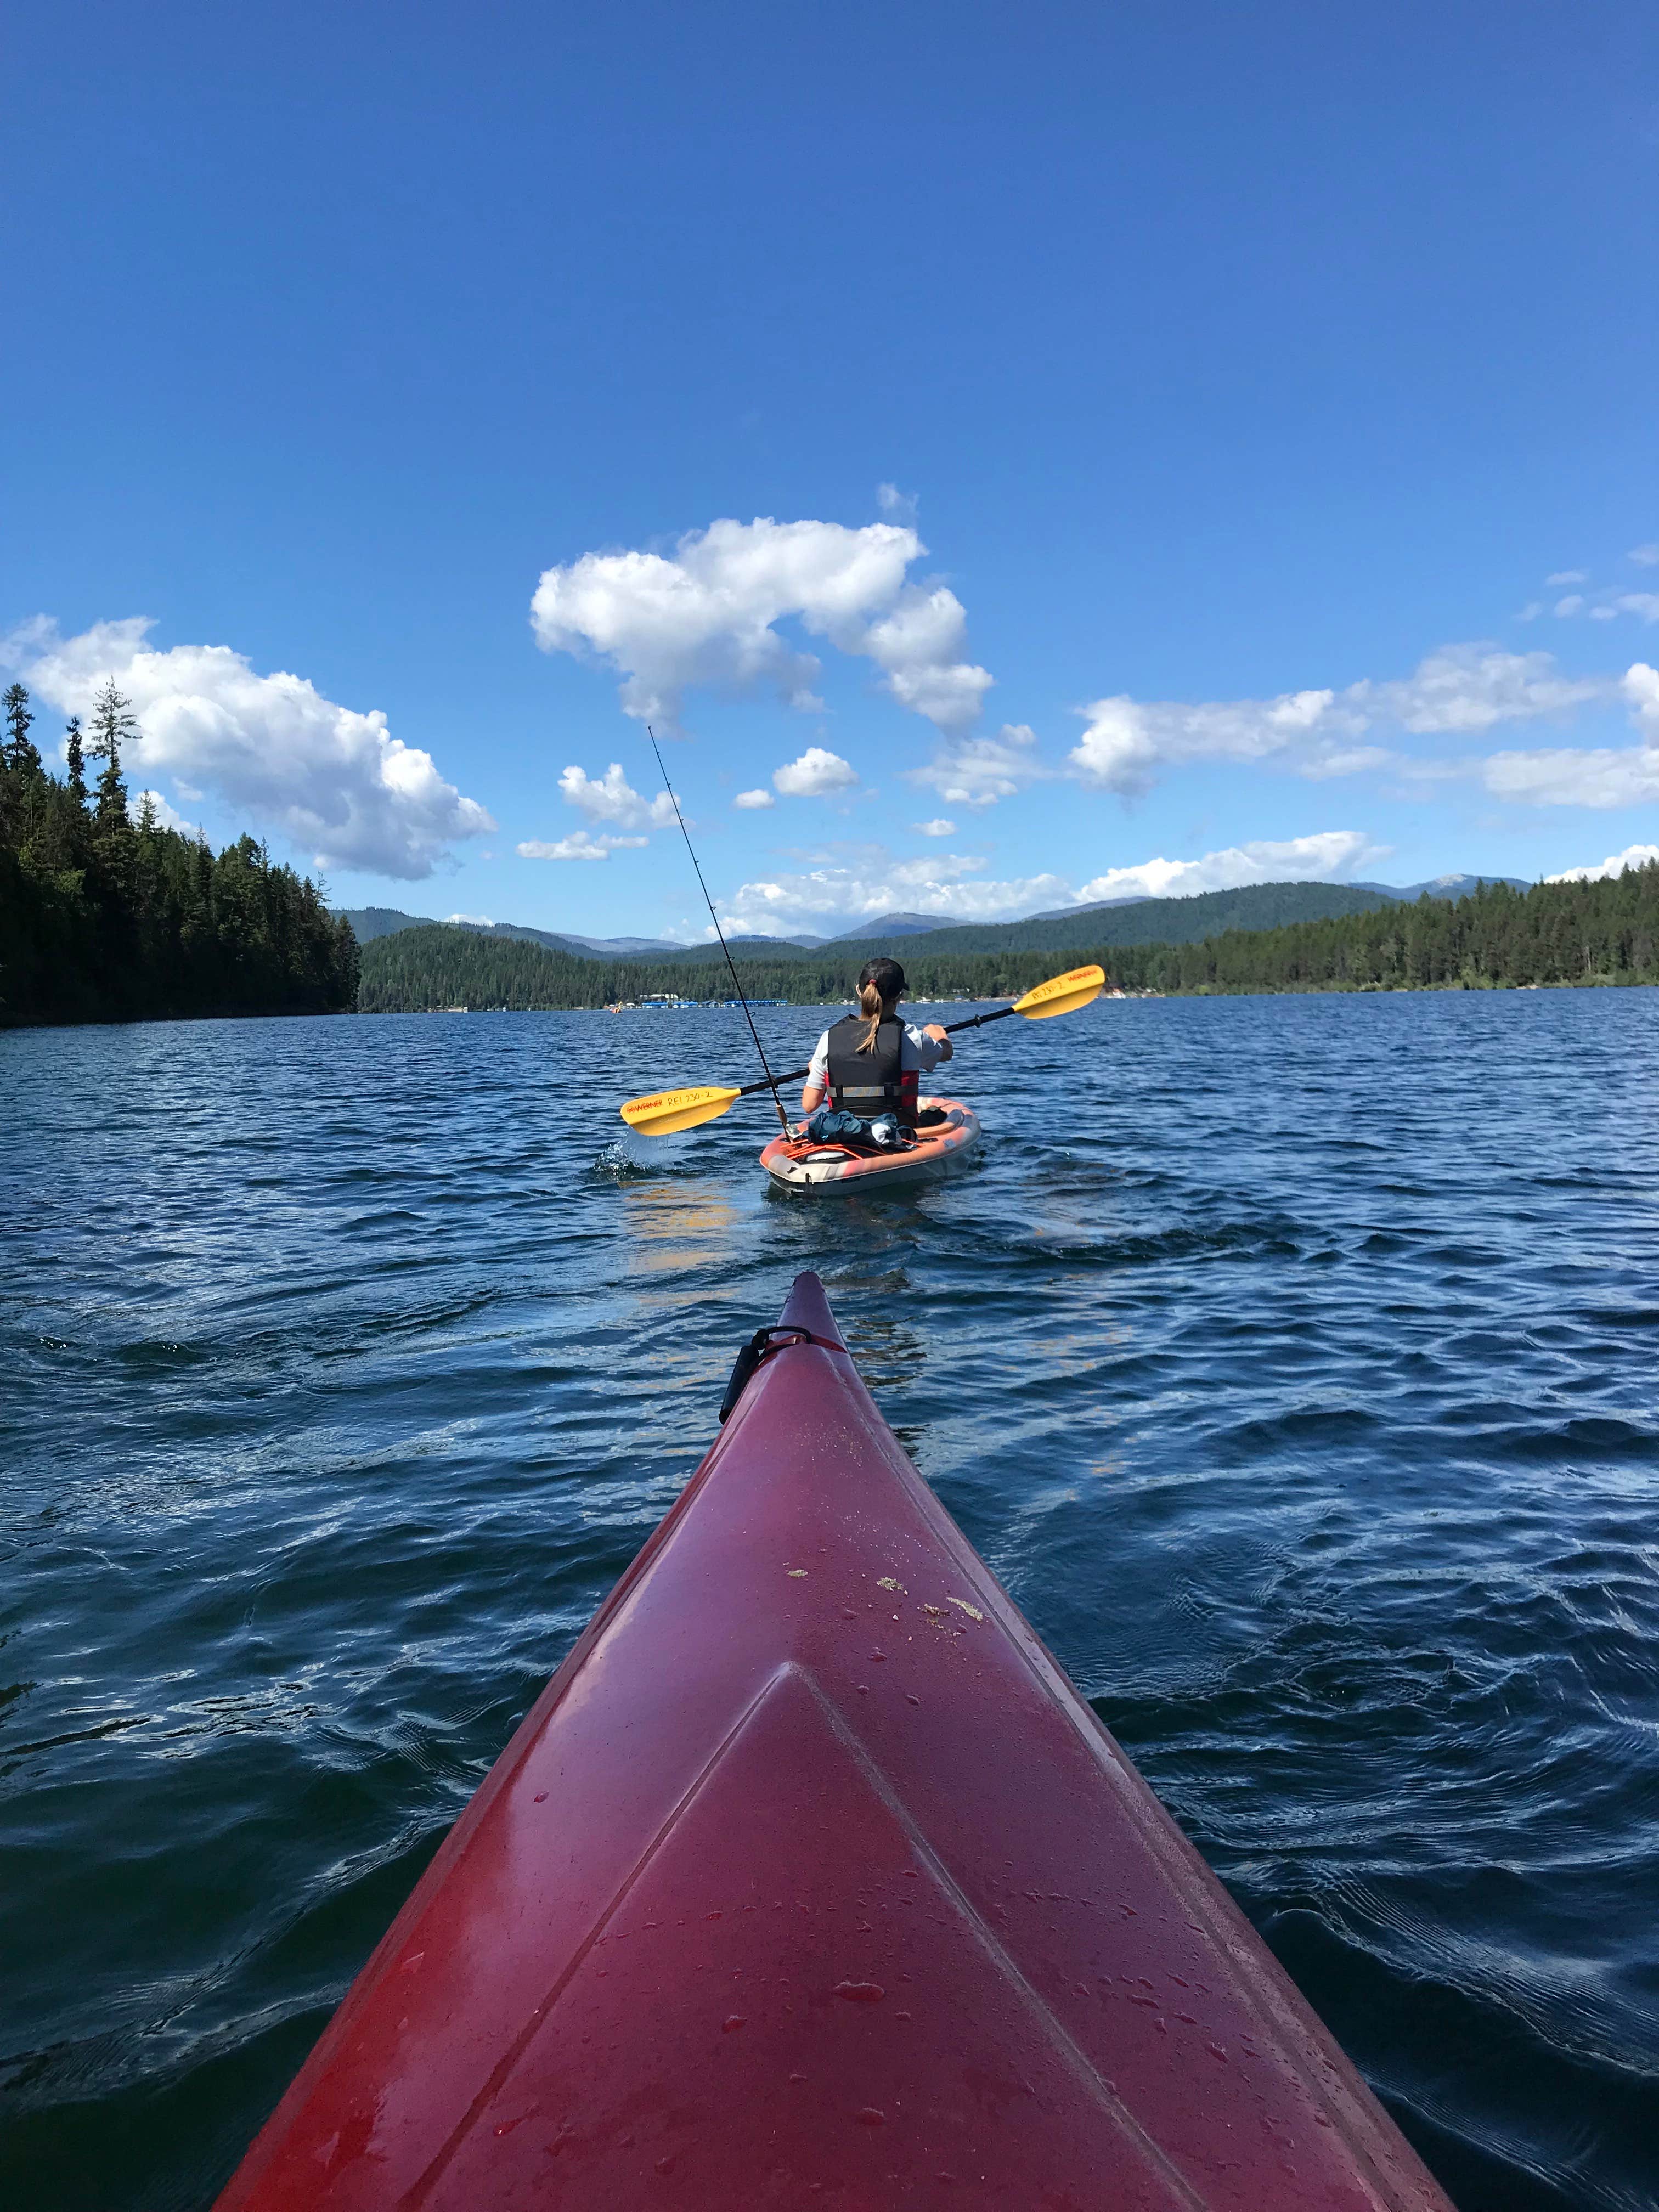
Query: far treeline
{"points": [[1596, 932], [103, 918]]}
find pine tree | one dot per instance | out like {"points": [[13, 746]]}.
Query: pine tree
{"points": [[22, 756], [75, 752], [113, 724]]}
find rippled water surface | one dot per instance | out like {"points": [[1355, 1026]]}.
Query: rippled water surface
{"points": [[1292, 1361]]}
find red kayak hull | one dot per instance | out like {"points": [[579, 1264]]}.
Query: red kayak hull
{"points": [[810, 1880]]}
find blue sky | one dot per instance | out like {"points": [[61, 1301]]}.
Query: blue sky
{"points": [[1238, 379]]}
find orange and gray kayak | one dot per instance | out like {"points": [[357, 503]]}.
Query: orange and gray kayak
{"points": [[797, 1164], [810, 1880]]}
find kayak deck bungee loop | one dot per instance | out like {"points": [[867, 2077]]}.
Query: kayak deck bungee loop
{"points": [[810, 1880]]}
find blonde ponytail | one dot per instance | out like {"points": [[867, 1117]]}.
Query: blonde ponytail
{"points": [[872, 1006]]}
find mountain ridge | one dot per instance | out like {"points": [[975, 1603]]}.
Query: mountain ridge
{"points": [[1135, 920]]}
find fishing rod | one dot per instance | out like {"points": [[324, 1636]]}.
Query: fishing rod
{"points": [[771, 1082]]}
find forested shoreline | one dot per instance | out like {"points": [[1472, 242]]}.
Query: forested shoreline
{"points": [[104, 918], [1576, 933]]}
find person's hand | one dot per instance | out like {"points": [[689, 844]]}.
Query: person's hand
{"points": [[934, 1031]]}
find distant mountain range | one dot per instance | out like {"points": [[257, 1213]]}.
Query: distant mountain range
{"points": [[1179, 920]]}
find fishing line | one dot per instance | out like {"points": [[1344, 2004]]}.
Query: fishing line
{"points": [[771, 1084]]}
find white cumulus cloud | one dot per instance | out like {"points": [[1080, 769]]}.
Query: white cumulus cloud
{"points": [[336, 782], [708, 615], [939, 827], [1633, 856], [1567, 576], [754, 799], [611, 797], [817, 772], [1646, 556], [579, 845]]}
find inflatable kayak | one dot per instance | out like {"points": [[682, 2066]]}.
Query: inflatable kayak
{"points": [[797, 1164], [810, 1880]]}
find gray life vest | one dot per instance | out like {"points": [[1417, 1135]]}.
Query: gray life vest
{"points": [[868, 1083]]}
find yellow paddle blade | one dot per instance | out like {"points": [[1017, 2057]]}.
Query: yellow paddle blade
{"points": [[1062, 994], [664, 1112]]}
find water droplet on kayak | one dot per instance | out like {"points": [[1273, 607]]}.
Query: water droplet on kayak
{"points": [[732, 2020], [711, 1915], [541, 1796], [887, 1582], [903, 2015], [870, 2117], [861, 1992], [797, 1574], [411, 1962], [878, 1654], [848, 1614], [1215, 2052], [797, 2077], [909, 1700], [864, 1689], [665, 2165]]}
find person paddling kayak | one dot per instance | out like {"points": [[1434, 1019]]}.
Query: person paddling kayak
{"points": [[868, 1063]]}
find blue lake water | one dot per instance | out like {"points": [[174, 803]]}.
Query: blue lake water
{"points": [[1293, 1362]]}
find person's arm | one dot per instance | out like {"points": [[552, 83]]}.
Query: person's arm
{"points": [[927, 1050], [818, 1076]]}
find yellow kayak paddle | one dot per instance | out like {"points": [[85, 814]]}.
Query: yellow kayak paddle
{"points": [[666, 1112]]}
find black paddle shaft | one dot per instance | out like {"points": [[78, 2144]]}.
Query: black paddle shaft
{"points": [[950, 1030]]}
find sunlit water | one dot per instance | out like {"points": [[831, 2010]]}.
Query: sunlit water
{"points": [[1292, 1361]]}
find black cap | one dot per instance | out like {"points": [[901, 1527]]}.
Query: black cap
{"points": [[886, 975]]}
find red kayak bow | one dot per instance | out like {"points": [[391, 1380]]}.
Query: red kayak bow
{"points": [[810, 1880]]}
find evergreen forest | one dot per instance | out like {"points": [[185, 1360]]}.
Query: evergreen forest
{"points": [[1581, 931], [106, 918]]}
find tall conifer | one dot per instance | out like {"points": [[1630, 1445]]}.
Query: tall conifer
{"points": [[22, 756], [75, 751], [113, 724]]}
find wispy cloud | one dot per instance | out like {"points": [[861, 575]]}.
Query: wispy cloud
{"points": [[1586, 775], [979, 771], [1460, 690], [579, 845]]}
